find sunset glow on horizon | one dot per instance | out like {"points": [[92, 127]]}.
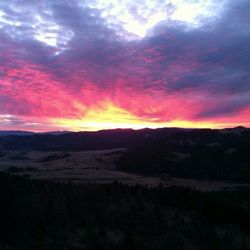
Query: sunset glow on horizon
{"points": [[111, 117], [93, 65]]}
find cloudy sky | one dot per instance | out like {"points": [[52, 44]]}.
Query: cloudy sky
{"points": [[96, 64]]}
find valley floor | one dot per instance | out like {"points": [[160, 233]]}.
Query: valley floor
{"points": [[94, 167]]}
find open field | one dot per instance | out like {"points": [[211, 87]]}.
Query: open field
{"points": [[92, 166]]}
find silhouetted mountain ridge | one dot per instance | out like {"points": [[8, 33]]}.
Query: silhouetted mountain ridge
{"points": [[106, 139], [15, 132], [103, 139]]}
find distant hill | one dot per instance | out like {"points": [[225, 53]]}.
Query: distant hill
{"points": [[188, 153], [199, 153], [107, 139], [76, 141], [28, 133], [13, 132]]}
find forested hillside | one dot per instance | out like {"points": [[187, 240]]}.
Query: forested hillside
{"points": [[207, 154], [44, 215]]}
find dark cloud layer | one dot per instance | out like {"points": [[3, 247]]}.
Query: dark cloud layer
{"points": [[58, 58]]}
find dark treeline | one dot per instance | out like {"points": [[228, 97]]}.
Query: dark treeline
{"points": [[44, 215]]}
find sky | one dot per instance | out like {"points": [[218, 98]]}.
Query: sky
{"points": [[103, 64]]}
